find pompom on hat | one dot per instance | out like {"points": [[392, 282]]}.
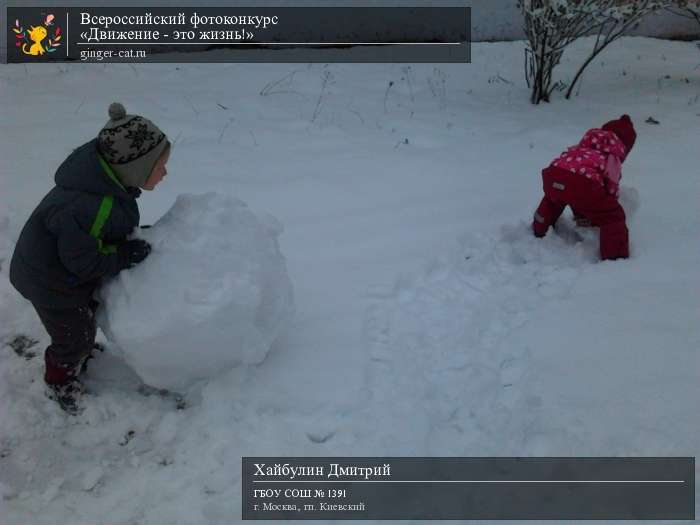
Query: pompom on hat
{"points": [[131, 145], [624, 129]]}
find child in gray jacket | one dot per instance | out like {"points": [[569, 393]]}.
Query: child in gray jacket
{"points": [[78, 234]]}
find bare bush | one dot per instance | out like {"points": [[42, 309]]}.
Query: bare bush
{"points": [[552, 25], [686, 8]]}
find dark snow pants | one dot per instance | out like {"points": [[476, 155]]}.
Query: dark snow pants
{"points": [[72, 332], [587, 199]]}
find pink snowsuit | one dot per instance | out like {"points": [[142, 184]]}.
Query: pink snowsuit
{"points": [[586, 177]]}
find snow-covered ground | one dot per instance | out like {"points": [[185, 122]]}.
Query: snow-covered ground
{"points": [[428, 320]]}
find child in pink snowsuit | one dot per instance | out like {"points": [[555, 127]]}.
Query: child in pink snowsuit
{"points": [[587, 178]]}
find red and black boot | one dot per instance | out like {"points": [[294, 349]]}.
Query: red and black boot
{"points": [[62, 383]]}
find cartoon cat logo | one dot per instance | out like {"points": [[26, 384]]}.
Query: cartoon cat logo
{"points": [[30, 41], [37, 35]]}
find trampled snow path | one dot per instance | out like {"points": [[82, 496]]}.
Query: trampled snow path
{"points": [[437, 342]]}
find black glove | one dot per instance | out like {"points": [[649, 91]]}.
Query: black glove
{"points": [[132, 252], [134, 192]]}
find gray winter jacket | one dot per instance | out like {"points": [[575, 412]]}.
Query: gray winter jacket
{"points": [[69, 243]]}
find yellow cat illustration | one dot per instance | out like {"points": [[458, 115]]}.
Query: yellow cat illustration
{"points": [[36, 34]]}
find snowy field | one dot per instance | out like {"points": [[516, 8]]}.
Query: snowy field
{"points": [[429, 322]]}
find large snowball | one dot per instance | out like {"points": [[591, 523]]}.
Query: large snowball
{"points": [[213, 294]]}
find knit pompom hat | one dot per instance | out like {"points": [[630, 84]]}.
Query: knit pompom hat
{"points": [[131, 145], [624, 129]]}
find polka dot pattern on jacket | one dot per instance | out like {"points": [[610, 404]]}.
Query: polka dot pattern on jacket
{"points": [[589, 158]]}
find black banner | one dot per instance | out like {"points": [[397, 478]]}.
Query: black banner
{"points": [[449, 488], [238, 34]]}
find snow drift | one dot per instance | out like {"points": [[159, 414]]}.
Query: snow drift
{"points": [[213, 294]]}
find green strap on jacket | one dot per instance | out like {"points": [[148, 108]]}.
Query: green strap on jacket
{"points": [[109, 172], [100, 220], [103, 212]]}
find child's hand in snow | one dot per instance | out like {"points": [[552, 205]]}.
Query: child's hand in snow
{"points": [[132, 252]]}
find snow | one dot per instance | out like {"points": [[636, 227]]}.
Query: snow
{"points": [[428, 320], [213, 294]]}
